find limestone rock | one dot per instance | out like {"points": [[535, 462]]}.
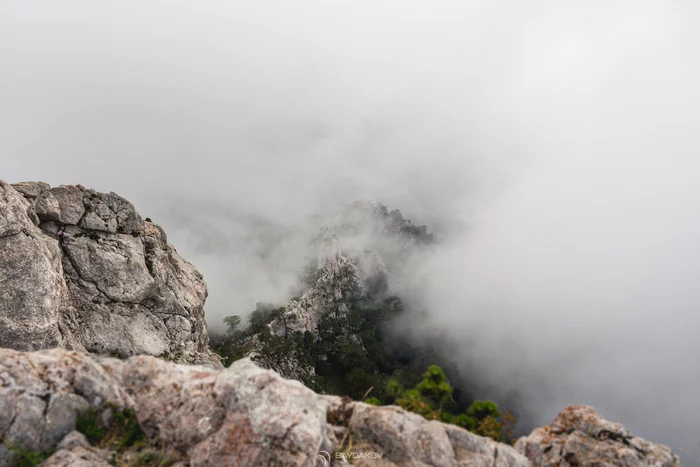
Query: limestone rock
{"points": [[32, 287], [337, 282], [75, 451], [335, 279], [355, 260], [580, 436], [82, 270], [249, 416], [406, 439], [242, 416]]}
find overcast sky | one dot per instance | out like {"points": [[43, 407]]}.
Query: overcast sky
{"points": [[555, 145]]}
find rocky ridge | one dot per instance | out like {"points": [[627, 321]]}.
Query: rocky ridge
{"points": [[249, 416], [352, 261], [350, 264], [83, 270]]}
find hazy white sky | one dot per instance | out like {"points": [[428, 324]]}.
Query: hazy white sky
{"points": [[563, 135]]}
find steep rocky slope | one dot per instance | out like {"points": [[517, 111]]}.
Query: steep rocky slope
{"points": [[83, 270], [354, 262], [249, 416]]}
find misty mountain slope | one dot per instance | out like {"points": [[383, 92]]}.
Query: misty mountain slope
{"points": [[350, 265], [336, 335]]}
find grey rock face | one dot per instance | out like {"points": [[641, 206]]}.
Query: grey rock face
{"points": [[32, 289], [336, 284], [580, 436], [82, 270]]}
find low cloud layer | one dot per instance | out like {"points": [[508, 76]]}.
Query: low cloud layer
{"points": [[554, 147]]}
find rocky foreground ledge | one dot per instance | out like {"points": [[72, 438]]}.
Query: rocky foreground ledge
{"points": [[249, 416]]}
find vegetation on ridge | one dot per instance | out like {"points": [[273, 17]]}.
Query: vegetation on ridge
{"points": [[352, 347], [26, 457], [432, 398], [346, 365]]}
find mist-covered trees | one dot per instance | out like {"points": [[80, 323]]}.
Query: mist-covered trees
{"points": [[432, 398], [353, 346], [349, 352], [232, 323], [355, 351]]}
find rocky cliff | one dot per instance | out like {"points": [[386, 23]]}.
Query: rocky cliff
{"points": [[83, 270], [354, 262], [248, 416]]}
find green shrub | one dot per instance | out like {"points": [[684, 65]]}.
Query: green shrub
{"points": [[432, 398], [127, 427], [26, 457], [413, 401], [434, 385], [463, 420], [123, 430], [88, 424], [482, 409], [394, 388]]}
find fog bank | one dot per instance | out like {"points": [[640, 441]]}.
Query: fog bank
{"points": [[553, 145]]}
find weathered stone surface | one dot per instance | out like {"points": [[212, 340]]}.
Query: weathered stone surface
{"points": [[40, 394], [31, 190], [580, 436], [32, 289], [407, 439], [75, 451], [82, 270], [243, 416], [249, 416]]}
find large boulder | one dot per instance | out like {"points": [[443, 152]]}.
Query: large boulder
{"points": [[83, 270], [579, 436], [407, 439]]}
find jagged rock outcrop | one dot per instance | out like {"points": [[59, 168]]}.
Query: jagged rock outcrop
{"points": [[351, 263], [249, 416], [337, 282], [579, 436], [83, 270]]}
